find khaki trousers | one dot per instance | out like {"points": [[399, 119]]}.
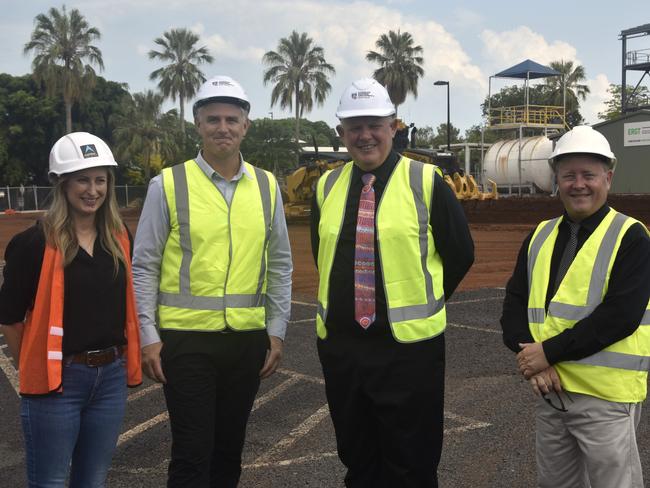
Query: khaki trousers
{"points": [[592, 445]]}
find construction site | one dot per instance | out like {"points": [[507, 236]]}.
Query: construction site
{"points": [[505, 192]]}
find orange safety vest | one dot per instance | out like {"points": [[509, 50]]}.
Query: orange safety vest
{"points": [[41, 355]]}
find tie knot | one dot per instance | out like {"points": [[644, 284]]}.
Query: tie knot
{"points": [[574, 227], [368, 179]]}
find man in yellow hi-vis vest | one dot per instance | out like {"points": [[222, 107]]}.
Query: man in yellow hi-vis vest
{"points": [[577, 314], [391, 244], [212, 273]]}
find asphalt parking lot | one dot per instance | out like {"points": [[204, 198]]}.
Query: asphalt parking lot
{"points": [[489, 439]]}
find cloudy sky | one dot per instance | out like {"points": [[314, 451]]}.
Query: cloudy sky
{"points": [[464, 42]]}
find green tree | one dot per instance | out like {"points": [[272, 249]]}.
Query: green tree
{"points": [[144, 136], [573, 76], [299, 72], [62, 43], [30, 123], [400, 65], [440, 138], [181, 77], [634, 98]]}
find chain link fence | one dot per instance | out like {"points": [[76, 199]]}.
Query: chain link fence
{"points": [[38, 197]]}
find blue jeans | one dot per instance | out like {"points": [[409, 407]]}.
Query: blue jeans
{"points": [[76, 430]]}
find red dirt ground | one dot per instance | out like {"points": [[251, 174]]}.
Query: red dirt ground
{"points": [[498, 228]]}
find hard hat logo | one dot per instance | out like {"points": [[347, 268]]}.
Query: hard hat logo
{"points": [[89, 151], [362, 94], [221, 89]]}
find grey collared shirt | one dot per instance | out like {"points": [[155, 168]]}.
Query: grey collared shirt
{"points": [[151, 238]]}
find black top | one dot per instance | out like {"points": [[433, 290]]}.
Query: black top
{"points": [[451, 236], [615, 318], [94, 303]]}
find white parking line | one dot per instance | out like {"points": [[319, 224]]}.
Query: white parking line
{"points": [[288, 462], [299, 321], [475, 300], [163, 417], [296, 434], [144, 392], [8, 369], [470, 424], [470, 327]]}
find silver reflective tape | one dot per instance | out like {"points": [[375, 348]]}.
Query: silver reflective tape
{"points": [[265, 194], [536, 245], [245, 301], [191, 302], [416, 312], [603, 258], [331, 179], [617, 360], [416, 171], [181, 193], [646, 318], [210, 303], [56, 331], [321, 311], [55, 355], [536, 315], [567, 311]]}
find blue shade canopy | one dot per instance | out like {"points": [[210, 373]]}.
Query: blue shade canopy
{"points": [[528, 70]]}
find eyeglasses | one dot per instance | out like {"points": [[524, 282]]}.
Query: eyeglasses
{"points": [[562, 407]]}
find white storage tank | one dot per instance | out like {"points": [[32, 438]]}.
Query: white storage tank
{"points": [[501, 163]]}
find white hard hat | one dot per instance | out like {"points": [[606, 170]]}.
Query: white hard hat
{"points": [[221, 89], [365, 98], [77, 151], [582, 139]]}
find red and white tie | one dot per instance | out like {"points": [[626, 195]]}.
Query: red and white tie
{"points": [[364, 255]]}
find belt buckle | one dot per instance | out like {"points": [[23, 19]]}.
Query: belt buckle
{"points": [[98, 357]]}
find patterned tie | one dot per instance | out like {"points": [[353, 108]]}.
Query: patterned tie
{"points": [[569, 253], [364, 255]]}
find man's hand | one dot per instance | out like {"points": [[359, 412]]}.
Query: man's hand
{"points": [[531, 359], [273, 357], [151, 362], [546, 381]]}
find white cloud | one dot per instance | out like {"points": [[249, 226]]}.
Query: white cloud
{"points": [[596, 99], [143, 49], [511, 47]]}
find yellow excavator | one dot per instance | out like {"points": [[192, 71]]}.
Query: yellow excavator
{"points": [[464, 186], [299, 186]]}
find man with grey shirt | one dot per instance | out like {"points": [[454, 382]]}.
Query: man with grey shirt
{"points": [[212, 272]]}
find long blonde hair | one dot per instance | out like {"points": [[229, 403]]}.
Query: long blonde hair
{"points": [[59, 227]]}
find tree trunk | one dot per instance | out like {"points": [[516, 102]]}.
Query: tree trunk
{"points": [[297, 123], [147, 166], [68, 116], [182, 117]]}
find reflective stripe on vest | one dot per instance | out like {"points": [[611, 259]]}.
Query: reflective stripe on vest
{"points": [[253, 204], [626, 362], [407, 187]]}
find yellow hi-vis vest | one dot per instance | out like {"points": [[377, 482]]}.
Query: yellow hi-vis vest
{"points": [[617, 373], [411, 267], [213, 272]]}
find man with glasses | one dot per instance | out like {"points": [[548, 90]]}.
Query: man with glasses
{"points": [[577, 314]]}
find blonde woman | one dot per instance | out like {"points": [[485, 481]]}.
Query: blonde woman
{"points": [[69, 318]]}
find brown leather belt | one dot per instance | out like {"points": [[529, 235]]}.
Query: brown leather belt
{"points": [[101, 357]]}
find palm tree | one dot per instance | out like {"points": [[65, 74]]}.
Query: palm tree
{"points": [[181, 77], [299, 71], [62, 42], [141, 133], [400, 65], [573, 76]]}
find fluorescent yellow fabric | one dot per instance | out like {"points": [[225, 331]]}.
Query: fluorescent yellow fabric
{"points": [[213, 271], [619, 372], [411, 267]]}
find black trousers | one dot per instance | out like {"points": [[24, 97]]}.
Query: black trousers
{"points": [[387, 405], [210, 392]]}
